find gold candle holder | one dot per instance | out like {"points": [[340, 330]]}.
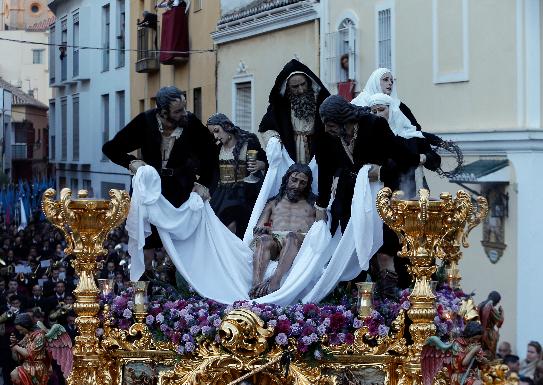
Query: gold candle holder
{"points": [[365, 298], [85, 224], [140, 299], [425, 227]]}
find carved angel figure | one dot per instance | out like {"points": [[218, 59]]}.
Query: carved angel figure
{"points": [[463, 357], [35, 350]]}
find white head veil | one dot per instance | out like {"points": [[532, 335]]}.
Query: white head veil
{"points": [[398, 122], [373, 86]]}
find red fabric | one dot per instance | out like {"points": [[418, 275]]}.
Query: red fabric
{"points": [[346, 90], [175, 34]]}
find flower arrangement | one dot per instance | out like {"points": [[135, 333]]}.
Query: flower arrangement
{"points": [[449, 324], [188, 321]]}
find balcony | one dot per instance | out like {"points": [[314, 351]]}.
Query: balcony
{"points": [[147, 59]]}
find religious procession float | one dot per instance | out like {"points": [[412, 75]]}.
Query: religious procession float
{"points": [[431, 333]]}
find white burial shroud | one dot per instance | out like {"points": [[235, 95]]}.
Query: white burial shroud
{"points": [[218, 265]]}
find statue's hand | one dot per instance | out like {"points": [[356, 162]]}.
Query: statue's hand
{"points": [[202, 191], [260, 230], [12, 340], [256, 165], [135, 164]]}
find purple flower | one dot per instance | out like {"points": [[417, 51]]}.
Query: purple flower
{"points": [[272, 323], [206, 330], [217, 322], [281, 339], [189, 347], [357, 323], [186, 337], [321, 329], [382, 330], [180, 349], [194, 330], [127, 313], [164, 328], [306, 340], [159, 318], [318, 355], [149, 319]]}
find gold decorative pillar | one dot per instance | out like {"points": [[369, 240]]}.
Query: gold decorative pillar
{"points": [[85, 224], [421, 227]]}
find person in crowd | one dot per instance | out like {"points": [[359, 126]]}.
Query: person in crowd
{"points": [[293, 111], [234, 197], [533, 355], [176, 144], [513, 363], [361, 138], [504, 348]]}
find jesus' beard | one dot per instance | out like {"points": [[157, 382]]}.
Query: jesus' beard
{"points": [[293, 195], [303, 106]]}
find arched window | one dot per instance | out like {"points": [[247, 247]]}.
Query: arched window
{"points": [[341, 54]]}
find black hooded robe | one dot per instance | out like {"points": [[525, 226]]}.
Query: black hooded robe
{"points": [[278, 115]]}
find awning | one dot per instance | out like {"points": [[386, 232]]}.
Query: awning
{"points": [[484, 171]]}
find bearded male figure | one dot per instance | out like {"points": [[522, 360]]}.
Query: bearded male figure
{"points": [[293, 112], [281, 229]]}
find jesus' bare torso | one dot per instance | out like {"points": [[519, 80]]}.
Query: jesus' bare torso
{"points": [[279, 234]]}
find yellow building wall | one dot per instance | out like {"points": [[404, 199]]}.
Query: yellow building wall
{"points": [[264, 57], [198, 71], [487, 101]]}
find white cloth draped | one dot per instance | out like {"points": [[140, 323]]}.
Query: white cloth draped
{"points": [[218, 265]]}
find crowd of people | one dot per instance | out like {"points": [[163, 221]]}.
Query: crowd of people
{"points": [[37, 278], [530, 369]]}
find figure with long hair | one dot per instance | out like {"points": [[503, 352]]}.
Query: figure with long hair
{"points": [[233, 198]]}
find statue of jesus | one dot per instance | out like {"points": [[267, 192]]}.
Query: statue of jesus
{"points": [[281, 228]]}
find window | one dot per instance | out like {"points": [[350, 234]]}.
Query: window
{"points": [[197, 102], [75, 126], [141, 107], [35, 8], [340, 47], [87, 185], [64, 128], [63, 58], [106, 186], [74, 184], [61, 182], [52, 55], [384, 37], [105, 120], [75, 43], [243, 106], [105, 37], [120, 109], [37, 56], [52, 152], [198, 5], [121, 20]]}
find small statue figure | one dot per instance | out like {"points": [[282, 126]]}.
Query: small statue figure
{"points": [[33, 352], [491, 317], [463, 357], [281, 229]]}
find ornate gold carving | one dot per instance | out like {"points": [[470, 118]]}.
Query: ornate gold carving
{"points": [[428, 229], [242, 332], [85, 224]]}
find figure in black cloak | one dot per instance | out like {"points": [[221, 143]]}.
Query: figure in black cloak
{"points": [[176, 144], [233, 199], [293, 111], [361, 138]]}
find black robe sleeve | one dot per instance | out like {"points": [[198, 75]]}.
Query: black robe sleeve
{"points": [[125, 141], [409, 115], [205, 150]]}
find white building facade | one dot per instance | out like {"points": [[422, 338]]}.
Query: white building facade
{"points": [[91, 92], [470, 71]]}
